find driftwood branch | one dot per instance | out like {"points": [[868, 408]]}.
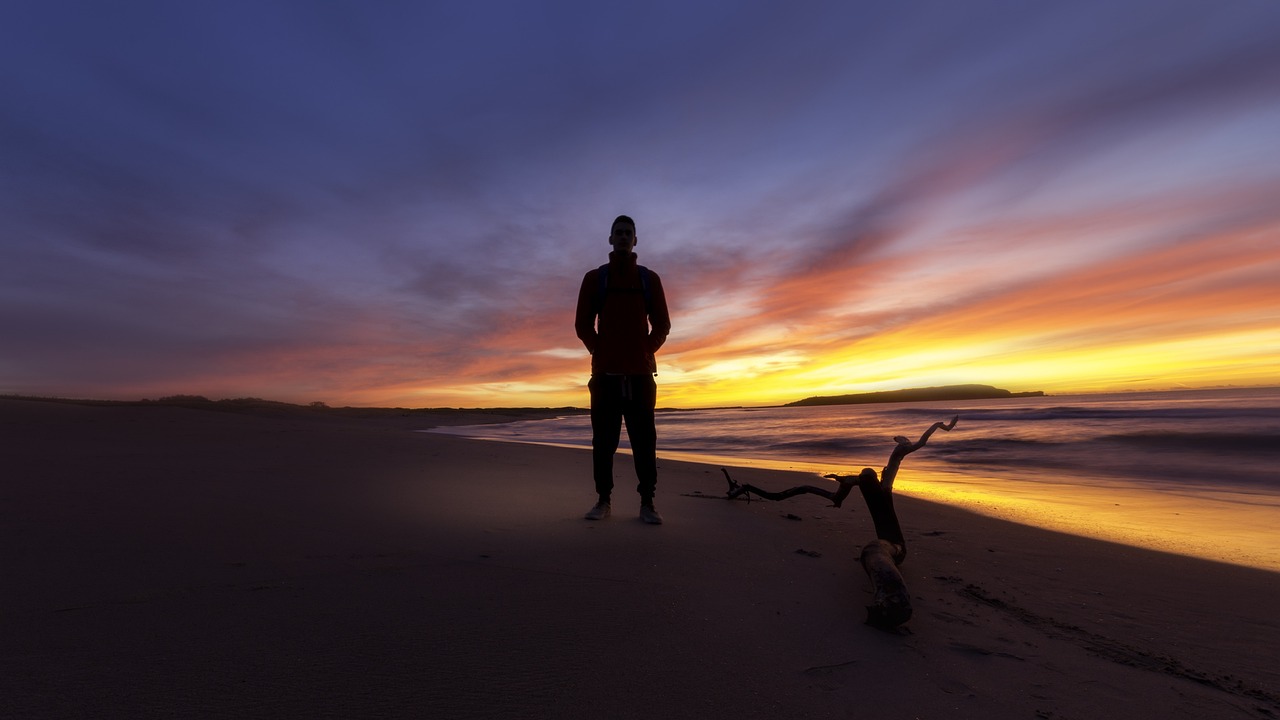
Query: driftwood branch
{"points": [[880, 558], [738, 490]]}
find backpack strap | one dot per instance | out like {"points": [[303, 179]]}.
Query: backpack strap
{"points": [[602, 274], [644, 288]]}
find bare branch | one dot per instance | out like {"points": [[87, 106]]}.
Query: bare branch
{"points": [[837, 497], [906, 447], [881, 557]]}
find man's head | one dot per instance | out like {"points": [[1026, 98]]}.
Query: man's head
{"points": [[622, 235]]}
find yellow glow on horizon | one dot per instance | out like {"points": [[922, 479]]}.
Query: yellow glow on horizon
{"points": [[1245, 357], [1242, 358]]}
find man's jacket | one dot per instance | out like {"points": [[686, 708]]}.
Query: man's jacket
{"points": [[620, 332]]}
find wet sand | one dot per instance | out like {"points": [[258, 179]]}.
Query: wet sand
{"points": [[172, 562]]}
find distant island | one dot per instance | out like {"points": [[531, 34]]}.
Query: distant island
{"points": [[929, 394]]}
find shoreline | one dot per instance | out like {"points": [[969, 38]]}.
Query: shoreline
{"points": [[1204, 524], [170, 561]]}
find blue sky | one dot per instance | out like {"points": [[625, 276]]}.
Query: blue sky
{"points": [[393, 203]]}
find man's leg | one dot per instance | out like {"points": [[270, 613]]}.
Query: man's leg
{"points": [[606, 428], [643, 433]]}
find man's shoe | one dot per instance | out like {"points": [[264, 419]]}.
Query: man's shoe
{"points": [[650, 515], [599, 512]]}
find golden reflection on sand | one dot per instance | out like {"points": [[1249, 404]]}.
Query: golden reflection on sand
{"points": [[1225, 526]]}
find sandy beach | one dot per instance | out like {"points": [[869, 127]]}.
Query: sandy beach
{"points": [[175, 562]]}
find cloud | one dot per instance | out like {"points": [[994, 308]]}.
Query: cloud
{"points": [[339, 201]]}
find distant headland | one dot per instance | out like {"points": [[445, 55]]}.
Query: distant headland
{"points": [[928, 394]]}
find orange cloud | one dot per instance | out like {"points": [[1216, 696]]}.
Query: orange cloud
{"points": [[1203, 311]]}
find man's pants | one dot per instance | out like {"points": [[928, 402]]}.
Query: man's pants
{"points": [[613, 399]]}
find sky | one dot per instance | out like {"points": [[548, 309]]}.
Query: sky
{"points": [[394, 203]]}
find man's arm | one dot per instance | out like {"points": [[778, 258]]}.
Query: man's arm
{"points": [[585, 319], [659, 317]]}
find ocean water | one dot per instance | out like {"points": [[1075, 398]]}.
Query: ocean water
{"points": [[1193, 472]]}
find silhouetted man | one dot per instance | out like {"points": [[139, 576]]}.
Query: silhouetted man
{"points": [[622, 319]]}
